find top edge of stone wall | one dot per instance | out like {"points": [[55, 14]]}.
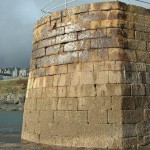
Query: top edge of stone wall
{"points": [[98, 6]]}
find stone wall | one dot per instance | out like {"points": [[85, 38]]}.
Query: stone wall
{"points": [[89, 81], [136, 74]]}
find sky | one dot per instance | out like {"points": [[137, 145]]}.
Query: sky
{"points": [[16, 28]]}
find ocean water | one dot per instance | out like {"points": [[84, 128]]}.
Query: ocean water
{"points": [[10, 126]]}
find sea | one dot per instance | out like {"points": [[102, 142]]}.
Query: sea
{"points": [[10, 126]]}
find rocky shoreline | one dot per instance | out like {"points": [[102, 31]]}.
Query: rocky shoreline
{"points": [[13, 107], [12, 94]]}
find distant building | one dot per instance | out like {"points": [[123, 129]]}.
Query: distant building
{"points": [[1, 71], [15, 72], [23, 72], [7, 71]]}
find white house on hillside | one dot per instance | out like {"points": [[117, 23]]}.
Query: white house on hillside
{"points": [[7, 71], [15, 72], [23, 72]]}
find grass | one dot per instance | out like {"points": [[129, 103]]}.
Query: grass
{"points": [[7, 84]]}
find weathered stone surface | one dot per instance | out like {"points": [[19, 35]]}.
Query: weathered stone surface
{"points": [[137, 45], [46, 116], [66, 38], [67, 103], [64, 80], [77, 45], [74, 67], [73, 28], [97, 117], [113, 89], [46, 105], [38, 72], [46, 43], [132, 116], [55, 80], [88, 34], [74, 91], [52, 70], [75, 78], [101, 77], [88, 67], [70, 116], [94, 24], [56, 32], [116, 14], [67, 58], [138, 90], [40, 33], [55, 15], [89, 90], [50, 92], [92, 103], [116, 77], [141, 36], [129, 142], [82, 8], [129, 130], [108, 43], [62, 91], [120, 32], [92, 16], [34, 47], [104, 66], [55, 129], [89, 78], [54, 50], [38, 53], [114, 117], [39, 82]]}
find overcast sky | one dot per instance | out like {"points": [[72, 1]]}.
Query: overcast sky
{"points": [[16, 27]]}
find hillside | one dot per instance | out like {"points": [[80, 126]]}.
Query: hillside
{"points": [[12, 94]]}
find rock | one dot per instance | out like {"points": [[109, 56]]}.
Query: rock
{"points": [[12, 94]]}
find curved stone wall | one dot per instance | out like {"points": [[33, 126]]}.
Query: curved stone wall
{"points": [[87, 84]]}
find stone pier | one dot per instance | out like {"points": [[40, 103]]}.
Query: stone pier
{"points": [[89, 82]]}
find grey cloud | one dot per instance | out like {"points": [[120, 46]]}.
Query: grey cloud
{"points": [[16, 26]]}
